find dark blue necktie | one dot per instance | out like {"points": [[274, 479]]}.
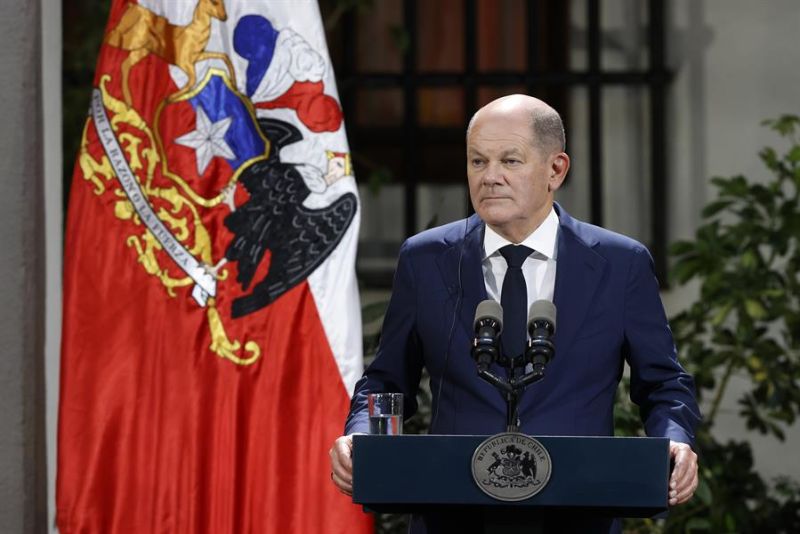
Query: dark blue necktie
{"points": [[514, 299]]}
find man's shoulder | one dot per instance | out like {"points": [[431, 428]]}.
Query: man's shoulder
{"points": [[602, 239], [441, 237]]}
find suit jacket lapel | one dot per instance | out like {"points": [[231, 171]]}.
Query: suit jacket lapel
{"points": [[466, 250], [579, 270]]}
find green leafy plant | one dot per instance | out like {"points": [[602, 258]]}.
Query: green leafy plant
{"points": [[745, 323]]}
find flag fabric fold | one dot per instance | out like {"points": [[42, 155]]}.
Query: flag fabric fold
{"points": [[211, 318]]}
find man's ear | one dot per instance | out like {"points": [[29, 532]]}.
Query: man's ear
{"points": [[559, 166]]}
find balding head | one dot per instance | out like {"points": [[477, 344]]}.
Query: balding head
{"points": [[515, 164], [546, 125]]}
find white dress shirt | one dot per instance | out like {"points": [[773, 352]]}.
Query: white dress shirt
{"points": [[539, 268]]}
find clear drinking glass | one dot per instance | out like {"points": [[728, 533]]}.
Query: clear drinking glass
{"points": [[386, 413]]}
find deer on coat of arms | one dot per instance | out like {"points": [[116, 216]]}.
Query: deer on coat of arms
{"points": [[142, 32]]}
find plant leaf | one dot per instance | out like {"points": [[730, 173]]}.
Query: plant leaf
{"points": [[754, 309], [715, 207]]}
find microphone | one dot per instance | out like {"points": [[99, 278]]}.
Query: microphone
{"points": [[488, 325], [541, 327]]}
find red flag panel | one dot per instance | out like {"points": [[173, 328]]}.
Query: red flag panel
{"points": [[200, 391]]}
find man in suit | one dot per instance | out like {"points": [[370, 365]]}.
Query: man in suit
{"points": [[602, 284]]}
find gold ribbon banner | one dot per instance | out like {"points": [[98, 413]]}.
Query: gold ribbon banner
{"points": [[205, 283]]}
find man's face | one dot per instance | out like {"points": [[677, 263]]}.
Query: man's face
{"points": [[510, 180]]}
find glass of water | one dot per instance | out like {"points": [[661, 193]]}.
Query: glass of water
{"points": [[386, 413]]}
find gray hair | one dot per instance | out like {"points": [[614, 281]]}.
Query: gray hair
{"points": [[548, 129]]}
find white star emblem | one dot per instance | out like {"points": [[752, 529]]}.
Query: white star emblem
{"points": [[208, 140]]}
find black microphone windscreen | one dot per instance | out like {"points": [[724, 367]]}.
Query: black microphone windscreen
{"points": [[543, 310], [489, 309]]}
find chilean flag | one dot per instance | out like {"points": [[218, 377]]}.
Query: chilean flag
{"points": [[211, 316]]}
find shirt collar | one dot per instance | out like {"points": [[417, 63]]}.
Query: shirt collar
{"points": [[542, 240]]}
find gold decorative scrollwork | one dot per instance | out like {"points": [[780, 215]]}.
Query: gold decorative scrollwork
{"points": [[175, 205]]}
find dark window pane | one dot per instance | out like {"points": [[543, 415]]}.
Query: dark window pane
{"points": [[382, 214], [502, 35], [441, 107], [380, 37], [552, 36], [379, 107], [382, 232], [626, 161], [442, 162], [578, 55], [488, 93], [440, 36], [624, 26], [377, 165], [574, 193], [441, 203]]}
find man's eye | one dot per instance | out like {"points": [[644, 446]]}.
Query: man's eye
{"points": [[511, 161], [477, 162]]}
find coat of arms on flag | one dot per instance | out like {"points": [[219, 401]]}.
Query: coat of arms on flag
{"points": [[209, 159], [209, 285]]}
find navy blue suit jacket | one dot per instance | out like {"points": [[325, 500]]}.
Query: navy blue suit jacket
{"points": [[608, 311]]}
